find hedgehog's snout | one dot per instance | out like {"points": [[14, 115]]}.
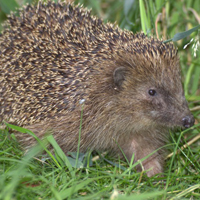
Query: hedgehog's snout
{"points": [[188, 121]]}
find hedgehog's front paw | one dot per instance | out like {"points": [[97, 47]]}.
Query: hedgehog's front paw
{"points": [[152, 166]]}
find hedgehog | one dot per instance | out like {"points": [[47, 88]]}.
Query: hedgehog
{"points": [[53, 56]]}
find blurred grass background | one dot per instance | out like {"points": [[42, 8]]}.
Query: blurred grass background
{"points": [[27, 178]]}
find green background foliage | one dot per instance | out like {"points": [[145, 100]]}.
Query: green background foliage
{"points": [[48, 177]]}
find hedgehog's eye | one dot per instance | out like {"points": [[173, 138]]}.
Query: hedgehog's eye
{"points": [[152, 92]]}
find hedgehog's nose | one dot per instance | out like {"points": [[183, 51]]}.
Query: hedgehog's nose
{"points": [[188, 121]]}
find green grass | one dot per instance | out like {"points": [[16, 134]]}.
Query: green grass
{"points": [[43, 177], [78, 176]]}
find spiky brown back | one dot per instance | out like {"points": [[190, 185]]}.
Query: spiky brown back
{"points": [[50, 55]]}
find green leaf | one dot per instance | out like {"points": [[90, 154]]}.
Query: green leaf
{"points": [[196, 78], [143, 196], [179, 36], [143, 16], [59, 152], [8, 5], [75, 188], [188, 78], [20, 129], [127, 6], [42, 143], [184, 34], [21, 171]]}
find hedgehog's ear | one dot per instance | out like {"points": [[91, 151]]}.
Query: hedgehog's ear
{"points": [[119, 77]]}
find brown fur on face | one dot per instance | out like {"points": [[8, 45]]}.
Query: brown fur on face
{"points": [[55, 55]]}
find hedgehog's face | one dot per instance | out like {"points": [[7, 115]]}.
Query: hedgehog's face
{"points": [[154, 102], [165, 107]]}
